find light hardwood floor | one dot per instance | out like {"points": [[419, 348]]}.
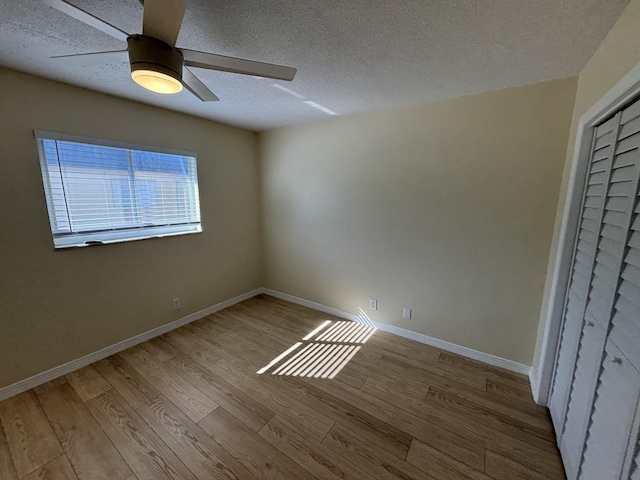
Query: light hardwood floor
{"points": [[189, 404]]}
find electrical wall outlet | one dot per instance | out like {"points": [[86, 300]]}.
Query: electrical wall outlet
{"points": [[176, 304], [373, 304], [406, 313]]}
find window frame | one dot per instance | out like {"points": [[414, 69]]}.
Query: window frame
{"points": [[107, 236]]}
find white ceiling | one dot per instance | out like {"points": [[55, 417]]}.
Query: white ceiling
{"points": [[352, 56]]}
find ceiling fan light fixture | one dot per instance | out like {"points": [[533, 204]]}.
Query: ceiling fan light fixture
{"points": [[155, 81], [155, 65]]}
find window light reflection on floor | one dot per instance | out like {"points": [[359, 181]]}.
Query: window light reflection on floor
{"points": [[324, 351]]}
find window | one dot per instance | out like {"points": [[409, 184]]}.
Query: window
{"points": [[100, 192]]}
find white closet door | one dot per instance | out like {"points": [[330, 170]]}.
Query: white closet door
{"points": [[603, 294], [582, 269], [613, 414], [625, 324], [596, 385], [596, 314], [625, 331], [579, 408]]}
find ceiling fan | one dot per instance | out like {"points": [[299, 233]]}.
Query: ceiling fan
{"points": [[156, 63]]}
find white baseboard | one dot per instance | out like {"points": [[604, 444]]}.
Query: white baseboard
{"points": [[68, 367], [40, 378], [419, 337]]}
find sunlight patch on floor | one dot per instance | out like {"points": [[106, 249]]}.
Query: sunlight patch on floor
{"points": [[323, 352]]}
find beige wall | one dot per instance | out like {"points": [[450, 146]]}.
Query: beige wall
{"points": [[618, 53], [56, 306], [446, 208]]}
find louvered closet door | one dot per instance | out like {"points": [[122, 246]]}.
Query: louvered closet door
{"points": [[612, 418], [579, 408], [595, 392], [600, 297], [618, 390], [619, 205], [625, 330], [582, 269]]}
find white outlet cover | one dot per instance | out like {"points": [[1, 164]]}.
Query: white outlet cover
{"points": [[406, 313], [373, 304]]}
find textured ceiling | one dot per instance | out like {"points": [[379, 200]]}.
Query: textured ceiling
{"points": [[352, 56]]}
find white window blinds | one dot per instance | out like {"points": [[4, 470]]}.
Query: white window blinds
{"points": [[98, 192]]}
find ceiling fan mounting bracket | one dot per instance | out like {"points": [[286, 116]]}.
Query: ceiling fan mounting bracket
{"points": [[148, 53]]}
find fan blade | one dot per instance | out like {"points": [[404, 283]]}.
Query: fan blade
{"points": [[212, 61], [163, 19], [95, 58], [195, 86], [87, 18]]}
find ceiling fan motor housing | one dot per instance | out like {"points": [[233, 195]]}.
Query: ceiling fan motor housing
{"points": [[148, 53]]}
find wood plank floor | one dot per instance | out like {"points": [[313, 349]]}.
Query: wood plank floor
{"points": [[191, 405]]}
